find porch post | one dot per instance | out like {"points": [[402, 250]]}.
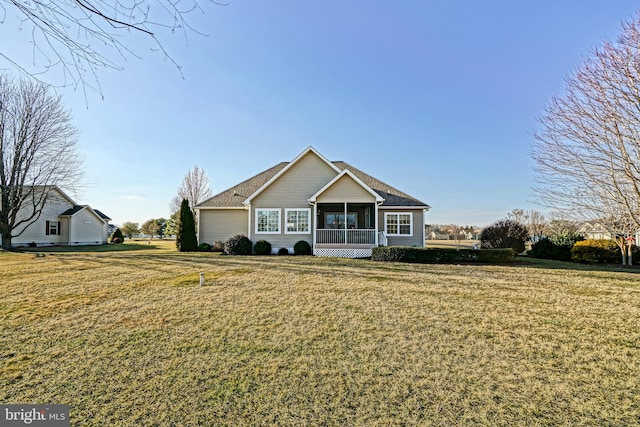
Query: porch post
{"points": [[375, 210], [314, 228], [345, 222]]}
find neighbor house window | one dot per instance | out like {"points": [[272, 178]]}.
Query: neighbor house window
{"points": [[297, 221], [52, 228], [399, 224], [268, 221]]}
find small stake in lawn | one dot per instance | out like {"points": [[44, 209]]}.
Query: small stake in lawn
{"points": [[201, 279]]}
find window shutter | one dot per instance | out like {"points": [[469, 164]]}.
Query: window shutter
{"points": [[59, 228], [46, 230]]}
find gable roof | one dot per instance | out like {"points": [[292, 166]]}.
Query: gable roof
{"points": [[352, 176], [289, 166], [78, 208], [235, 196]]}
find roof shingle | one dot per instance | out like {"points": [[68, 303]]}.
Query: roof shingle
{"points": [[236, 195]]}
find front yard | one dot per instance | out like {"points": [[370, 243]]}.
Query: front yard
{"points": [[130, 338]]}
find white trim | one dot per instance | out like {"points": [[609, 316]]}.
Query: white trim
{"points": [[286, 220], [352, 176], [383, 207], [222, 208], [398, 234], [284, 170], [278, 210]]}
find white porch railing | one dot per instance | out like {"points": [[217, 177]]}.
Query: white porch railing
{"points": [[346, 237]]}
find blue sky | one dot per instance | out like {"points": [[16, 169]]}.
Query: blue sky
{"points": [[438, 99]]}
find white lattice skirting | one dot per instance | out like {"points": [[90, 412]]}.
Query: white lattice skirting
{"points": [[342, 253]]}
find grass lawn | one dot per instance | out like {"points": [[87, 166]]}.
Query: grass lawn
{"points": [[129, 338]]}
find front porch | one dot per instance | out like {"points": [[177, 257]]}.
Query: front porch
{"points": [[346, 230]]}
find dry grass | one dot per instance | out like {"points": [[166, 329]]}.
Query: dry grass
{"points": [[129, 338]]}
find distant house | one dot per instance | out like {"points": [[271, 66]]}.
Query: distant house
{"points": [[338, 209], [594, 230], [64, 222]]}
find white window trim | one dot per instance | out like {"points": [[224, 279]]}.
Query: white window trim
{"points": [[397, 215], [259, 210], [286, 216]]}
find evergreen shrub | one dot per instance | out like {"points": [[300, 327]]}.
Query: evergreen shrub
{"points": [[238, 245], [262, 247], [440, 255], [504, 234], [302, 247], [596, 251], [204, 247], [116, 237]]}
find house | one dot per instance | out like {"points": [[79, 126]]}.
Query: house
{"points": [[64, 222], [338, 209], [594, 230]]}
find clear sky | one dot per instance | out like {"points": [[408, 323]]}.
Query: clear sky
{"points": [[437, 98]]}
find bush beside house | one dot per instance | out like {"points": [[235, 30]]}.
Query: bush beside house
{"points": [[238, 245], [116, 237], [441, 255], [262, 247]]}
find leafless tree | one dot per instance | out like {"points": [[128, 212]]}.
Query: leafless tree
{"points": [[611, 218], [587, 151], [518, 215], [534, 221], [37, 153], [75, 38], [195, 188]]}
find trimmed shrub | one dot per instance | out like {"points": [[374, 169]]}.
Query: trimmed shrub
{"points": [[596, 251], [556, 247], [440, 255], [204, 247], [218, 246], [238, 245], [302, 247], [283, 251], [116, 237], [262, 247], [504, 234]]}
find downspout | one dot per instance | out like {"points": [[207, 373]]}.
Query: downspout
{"points": [[248, 206]]}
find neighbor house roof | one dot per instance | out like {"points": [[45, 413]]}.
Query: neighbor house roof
{"points": [[236, 195], [101, 215], [77, 208]]}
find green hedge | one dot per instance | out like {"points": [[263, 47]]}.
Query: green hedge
{"points": [[600, 251], [441, 255]]}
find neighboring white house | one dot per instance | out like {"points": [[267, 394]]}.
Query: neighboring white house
{"points": [[63, 222], [338, 209]]}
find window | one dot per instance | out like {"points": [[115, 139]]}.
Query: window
{"points": [[52, 228], [297, 221], [268, 221], [335, 220], [399, 224]]}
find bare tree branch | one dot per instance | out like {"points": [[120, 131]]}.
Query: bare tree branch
{"points": [[37, 152], [195, 188], [76, 38], [587, 151]]}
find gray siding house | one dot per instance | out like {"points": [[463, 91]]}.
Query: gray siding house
{"points": [[338, 209]]}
